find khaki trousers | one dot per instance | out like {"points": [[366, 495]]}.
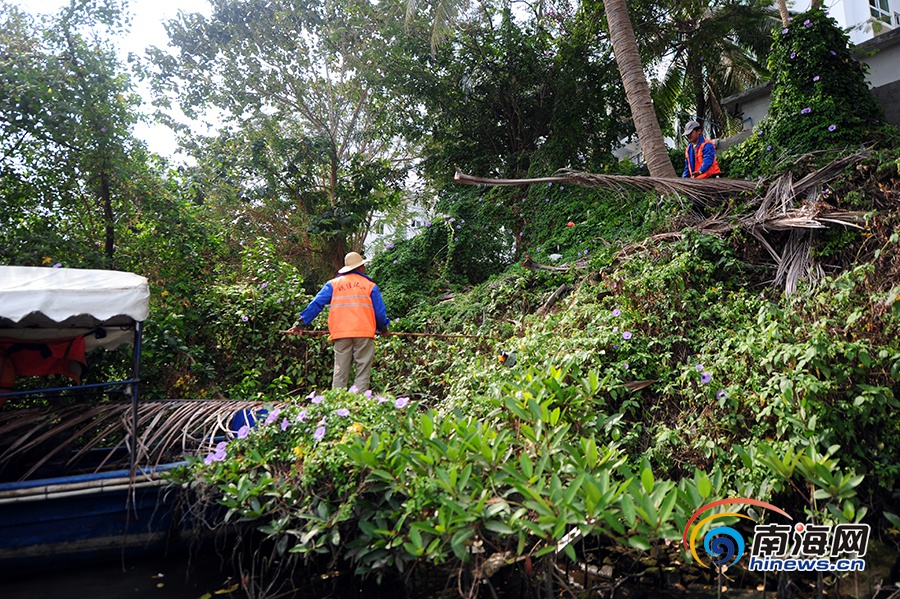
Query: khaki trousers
{"points": [[353, 350]]}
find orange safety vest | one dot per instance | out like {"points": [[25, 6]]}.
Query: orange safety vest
{"points": [[351, 313], [698, 161]]}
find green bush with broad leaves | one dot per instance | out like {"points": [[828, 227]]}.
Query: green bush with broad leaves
{"points": [[820, 99]]}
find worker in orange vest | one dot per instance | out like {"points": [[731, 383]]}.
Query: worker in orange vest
{"points": [[357, 312], [699, 155]]}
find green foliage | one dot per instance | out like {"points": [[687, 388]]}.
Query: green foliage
{"points": [[506, 98], [72, 175], [820, 99]]}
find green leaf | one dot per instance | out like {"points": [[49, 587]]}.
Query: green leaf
{"points": [[704, 487], [893, 519], [647, 480], [498, 527], [639, 542], [628, 509], [526, 464]]}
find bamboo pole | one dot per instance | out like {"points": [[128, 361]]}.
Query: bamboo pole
{"points": [[393, 334]]}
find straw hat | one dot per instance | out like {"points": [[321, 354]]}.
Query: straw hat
{"points": [[352, 261]]}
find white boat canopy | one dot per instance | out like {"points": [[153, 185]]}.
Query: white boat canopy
{"points": [[53, 303]]}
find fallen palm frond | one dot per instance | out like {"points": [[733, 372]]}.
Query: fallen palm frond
{"points": [[167, 430], [703, 191], [783, 204]]}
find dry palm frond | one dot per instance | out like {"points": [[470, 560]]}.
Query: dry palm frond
{"points": [[703, 191], [786, 204], [167, 430]]}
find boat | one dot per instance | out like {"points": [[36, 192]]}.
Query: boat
{"points": [[76, 483]]}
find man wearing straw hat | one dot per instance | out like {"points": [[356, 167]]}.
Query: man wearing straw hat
{"points": [[357, 312]]}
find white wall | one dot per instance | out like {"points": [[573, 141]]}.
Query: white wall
{"points": [[849, 14]]}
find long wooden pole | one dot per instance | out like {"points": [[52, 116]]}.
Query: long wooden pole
{"points": [[393, 334]]}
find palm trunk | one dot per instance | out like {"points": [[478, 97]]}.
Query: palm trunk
{"points": [[783, 11], [621, 34]]}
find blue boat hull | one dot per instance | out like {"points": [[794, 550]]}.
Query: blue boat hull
{"points": [[86, 518]]}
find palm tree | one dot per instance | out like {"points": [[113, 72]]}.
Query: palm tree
{"points": [[621, 34], [708, 51]]}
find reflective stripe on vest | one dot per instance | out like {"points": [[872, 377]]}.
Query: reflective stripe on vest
{"points": [[351, 313], [698, 162]]}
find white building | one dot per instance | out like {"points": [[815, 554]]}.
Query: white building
{"points": [[863, 19]]}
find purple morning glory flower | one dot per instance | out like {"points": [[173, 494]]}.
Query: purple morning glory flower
{"points": [[585, 252], [57, 265], [699, 367], [319, 434], [272, 416], [832, 127], [354, 389], [217, 455], [816, 78], [244, 319], [759, 133], [793, 55], [390, 246], [705, 377], [626, 335], [264, 285], [833, 53], [343, 412], [243, 432], [311, 394], [317, 399], [721, 394], [550, 184], [625, 365], [806, 110], [401, 402], [285, 424], [785, 30], [808, 23], [322, 421], [427, 223], [368, 394], [768, 148], [301, 416], [382, 399], [395, 262], [616, 312]]}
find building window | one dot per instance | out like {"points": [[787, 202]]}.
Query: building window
{"points": [[379, 229], [880, 10]]}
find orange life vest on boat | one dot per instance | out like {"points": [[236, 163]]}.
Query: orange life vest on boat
{"points": [[351, 313], [698, 162]]}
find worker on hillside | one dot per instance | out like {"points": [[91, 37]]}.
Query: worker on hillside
{"points": [[357, 312], [699, 155]]}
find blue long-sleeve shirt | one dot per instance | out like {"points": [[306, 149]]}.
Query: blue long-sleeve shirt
{"points": [[709, 155], [323, 298]]}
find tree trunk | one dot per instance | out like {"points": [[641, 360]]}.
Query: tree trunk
{"points": [[621, 34], [783, 11], [108, 219]]}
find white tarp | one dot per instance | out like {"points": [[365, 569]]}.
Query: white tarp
{"points": [[53, 302]]}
